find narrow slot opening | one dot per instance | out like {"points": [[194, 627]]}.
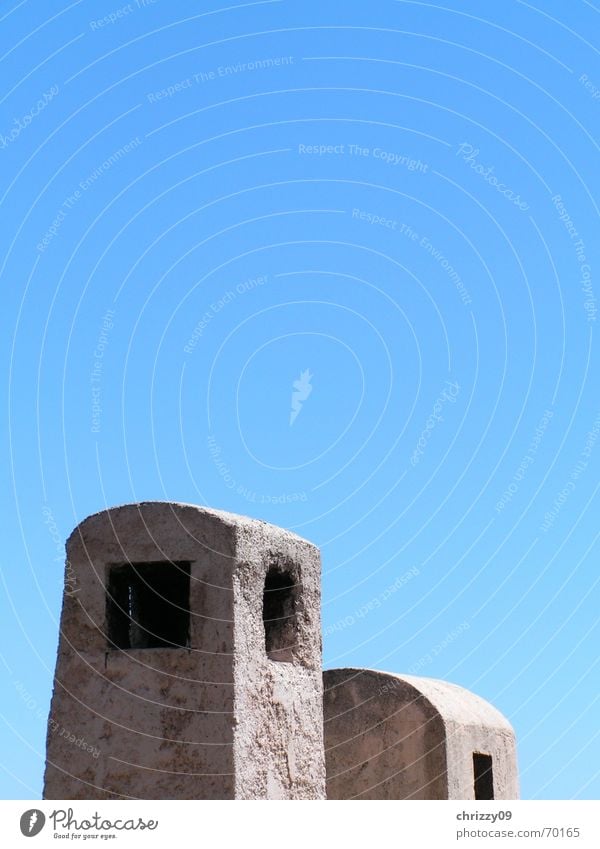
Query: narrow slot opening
{"points": [[483, 776], [279, 615]]}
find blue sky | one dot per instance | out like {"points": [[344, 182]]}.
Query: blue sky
{"points": [[392, 205]]}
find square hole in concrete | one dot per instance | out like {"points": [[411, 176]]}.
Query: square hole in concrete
{"points": [[148, 605]]}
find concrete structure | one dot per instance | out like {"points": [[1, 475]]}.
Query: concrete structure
{"points": [[189, 667], [398, 737], [189, 660]]}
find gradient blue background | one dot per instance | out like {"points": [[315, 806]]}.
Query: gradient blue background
{"points": [[217, 191]]}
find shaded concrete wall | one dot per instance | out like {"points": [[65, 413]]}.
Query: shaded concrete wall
{"points": [[398, 737], [383, 739], [163, 719]]}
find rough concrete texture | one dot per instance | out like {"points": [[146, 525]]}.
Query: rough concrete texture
{"points": [[217, 719], [399, 737], [278, 741]]}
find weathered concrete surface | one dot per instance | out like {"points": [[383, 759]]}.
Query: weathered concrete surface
{"points": [[278, 740], [400, 737], [215, 720]]}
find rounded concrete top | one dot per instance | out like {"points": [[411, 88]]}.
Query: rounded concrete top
{"points": [[154, 509], [453, 703]]}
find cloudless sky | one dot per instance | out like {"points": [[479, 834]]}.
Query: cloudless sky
{"points": [[381, 217]]}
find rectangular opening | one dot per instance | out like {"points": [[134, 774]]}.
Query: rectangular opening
{"points": [[483, 776], [279, 615], [148, 605]]}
